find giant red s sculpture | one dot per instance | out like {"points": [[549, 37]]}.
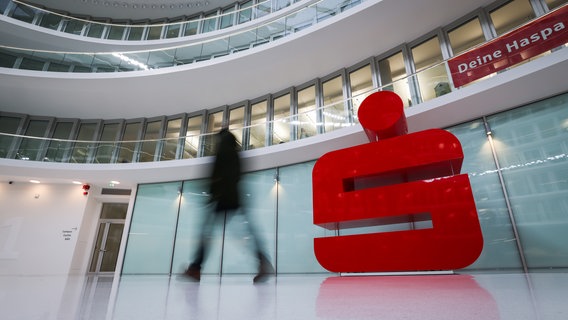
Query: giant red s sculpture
{"points": [[398, 178]]}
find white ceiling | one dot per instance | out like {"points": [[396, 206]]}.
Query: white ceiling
{"points": [[133, 9]]}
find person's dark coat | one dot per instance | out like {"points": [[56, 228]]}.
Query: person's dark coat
{"points": [[226, 173]]}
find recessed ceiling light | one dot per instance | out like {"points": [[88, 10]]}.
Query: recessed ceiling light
{"points": [[34, 181], [114, 182], [77, 182]]}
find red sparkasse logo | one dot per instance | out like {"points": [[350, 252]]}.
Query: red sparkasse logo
{"points": [[396, 179], [534, 38]]}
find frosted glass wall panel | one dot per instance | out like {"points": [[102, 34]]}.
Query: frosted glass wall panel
{"points": [[296, 230], [499, 247], [194, 212], [258, 215], [532, 144], [152, 230]]}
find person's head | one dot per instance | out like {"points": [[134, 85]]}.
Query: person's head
{"points": [[226, 140]]}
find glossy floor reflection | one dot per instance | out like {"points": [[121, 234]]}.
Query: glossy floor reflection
{"points": [[481, 296]]}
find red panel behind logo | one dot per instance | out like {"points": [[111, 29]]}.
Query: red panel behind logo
{"points": [[398, 178]]}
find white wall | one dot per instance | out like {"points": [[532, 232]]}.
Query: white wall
{"points": [[39, 227]]}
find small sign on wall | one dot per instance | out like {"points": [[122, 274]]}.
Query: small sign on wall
{"points": [[67, 234]]}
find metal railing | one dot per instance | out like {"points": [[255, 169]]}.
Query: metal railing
{"points": [[296, 127], [200, 50]]}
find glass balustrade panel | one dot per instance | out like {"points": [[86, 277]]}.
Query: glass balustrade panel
{"points": [[307, 123], [83, 148], [334, 114], [60, 146], [361, 84], [128, 151], [150, 143], [192, 137], [431, 75], [105, 149], [281, 130], [171, 141], [30, 149], [237, 123], [258, 119], [392, 74]]}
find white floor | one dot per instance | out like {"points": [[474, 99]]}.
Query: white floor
{"points": [[539, 296]]}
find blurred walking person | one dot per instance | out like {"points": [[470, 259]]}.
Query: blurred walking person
{"points": [[226, 200]]}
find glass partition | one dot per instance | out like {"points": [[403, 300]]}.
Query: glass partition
{"points": [[257, 218], [152, 229], [499, 247], [532, 146], [195, 208], [296, 230]]}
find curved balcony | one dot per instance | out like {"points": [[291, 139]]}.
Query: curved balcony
{"points": [[259, 134], [104, 28], [223, 44]]}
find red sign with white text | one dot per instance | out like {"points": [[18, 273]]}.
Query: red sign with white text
{"points": [[534, 38], [396, 179]]}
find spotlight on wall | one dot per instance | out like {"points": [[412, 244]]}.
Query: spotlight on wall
{"points": [[86, 188]]}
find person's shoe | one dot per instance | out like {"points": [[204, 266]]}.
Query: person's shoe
{"points": [[193, 272], [265, 270]]}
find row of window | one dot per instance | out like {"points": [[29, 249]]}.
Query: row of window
{"points": [[321, 106], [103, 28], [239, 40]]}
